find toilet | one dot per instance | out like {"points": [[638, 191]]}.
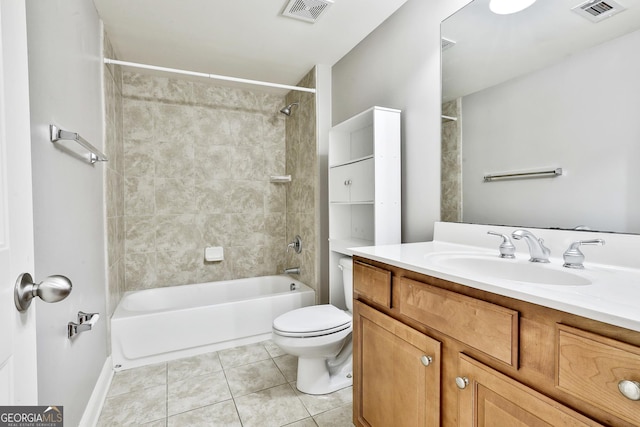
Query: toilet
{"points": [[320, 336]]}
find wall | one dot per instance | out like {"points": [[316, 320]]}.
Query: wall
{"points": [[591, 131], [303, 196], [451, 163], [197, 162], [398, 66], [114, 179], [64, 43]]}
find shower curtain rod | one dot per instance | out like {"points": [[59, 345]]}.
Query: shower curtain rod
{"points": [[209, 76]]}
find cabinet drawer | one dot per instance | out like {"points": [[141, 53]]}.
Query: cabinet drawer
{"points": [[487, 327], [372, 283], [590, 367]]}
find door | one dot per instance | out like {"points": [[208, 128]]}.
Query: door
{"points": [[397, 372], [18, 367], [488, 398]]}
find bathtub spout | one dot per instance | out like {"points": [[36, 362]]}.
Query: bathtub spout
{"points": [[292, 270]]}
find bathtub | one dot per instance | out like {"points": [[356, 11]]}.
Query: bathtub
{"points": [[161, 324]]}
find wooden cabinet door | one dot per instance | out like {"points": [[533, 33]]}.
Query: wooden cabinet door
{"points": [[491, 399], [397, 372]]}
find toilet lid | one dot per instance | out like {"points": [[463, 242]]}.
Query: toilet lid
{"points": [[312, 321]]}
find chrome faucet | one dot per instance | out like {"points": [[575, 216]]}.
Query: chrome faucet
{"points": [[292, 270], [537, 250], [573, 257]]}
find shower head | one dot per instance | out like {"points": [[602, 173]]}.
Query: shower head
{"points": [[287, 110]]}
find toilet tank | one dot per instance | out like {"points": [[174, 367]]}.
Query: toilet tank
{"points": [[346, 265]]}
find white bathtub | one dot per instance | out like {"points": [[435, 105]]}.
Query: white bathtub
{"points": [[157, 325]]}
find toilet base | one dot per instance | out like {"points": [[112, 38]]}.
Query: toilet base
{"points": [[314, 377]]}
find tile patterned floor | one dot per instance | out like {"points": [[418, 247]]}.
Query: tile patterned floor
{"points": [[253, 385]]}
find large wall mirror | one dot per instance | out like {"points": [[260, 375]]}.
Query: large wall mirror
{"points": [[540, 90]]}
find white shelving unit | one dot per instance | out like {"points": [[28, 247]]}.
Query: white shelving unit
{"points": [[364, 187]]}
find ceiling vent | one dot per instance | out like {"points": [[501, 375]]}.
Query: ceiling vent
{"points": [[306, 10], [447, 43], [597, 10]]}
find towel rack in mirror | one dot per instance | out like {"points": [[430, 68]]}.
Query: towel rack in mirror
{"points": [[57, 134]]}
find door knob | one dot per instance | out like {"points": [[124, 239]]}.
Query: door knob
{"points": [[52, 289]]}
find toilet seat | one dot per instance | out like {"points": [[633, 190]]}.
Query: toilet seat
{"points": [[312, 321]]}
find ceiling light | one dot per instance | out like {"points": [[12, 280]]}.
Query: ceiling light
{"points": [[506, 7]]}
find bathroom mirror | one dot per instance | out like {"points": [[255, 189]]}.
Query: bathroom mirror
{"points": [[538, 90]]}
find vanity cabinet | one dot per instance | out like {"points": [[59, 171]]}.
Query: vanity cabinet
{"points": [[397, 372], [501, 361]]}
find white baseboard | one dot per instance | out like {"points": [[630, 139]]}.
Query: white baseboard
{"points": [[96, 401]]}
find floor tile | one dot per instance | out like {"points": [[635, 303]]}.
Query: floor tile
{"points": [[138, 379], [272, 407], [307, 422], [238, 356], [339, 417], [135, 408], [254, 377], [221, 414], [193, 366], [272, 348], [197, 392], [288, 365], [317, 404], [156, 423]]}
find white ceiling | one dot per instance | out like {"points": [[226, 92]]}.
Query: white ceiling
{"points": [[240, 38], [500, 47]]}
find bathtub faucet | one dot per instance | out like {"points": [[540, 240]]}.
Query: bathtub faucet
{"points": [[292, 270]]}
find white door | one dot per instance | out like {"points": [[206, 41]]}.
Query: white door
{"points": [[18, 367]]}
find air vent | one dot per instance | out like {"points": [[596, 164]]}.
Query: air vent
{"points": [[447, 43], [306, 10], [597, 10]]}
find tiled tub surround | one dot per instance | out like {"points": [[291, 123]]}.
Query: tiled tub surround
{"points": [[451, 164], [252, 385], [197, 161], [302, 194], [114, 178]]}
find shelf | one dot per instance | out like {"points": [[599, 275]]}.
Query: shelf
{"points": [[368, 202], [342, 245], [348, 162], [446, 119]]}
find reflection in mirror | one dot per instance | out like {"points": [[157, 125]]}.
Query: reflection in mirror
{"points": [[538, 90]]}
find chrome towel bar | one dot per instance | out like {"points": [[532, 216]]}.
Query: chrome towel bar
{"points": [[517, 175], [57, 134]]}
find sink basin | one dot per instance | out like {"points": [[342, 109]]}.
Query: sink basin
{"points": [[519, 270]]}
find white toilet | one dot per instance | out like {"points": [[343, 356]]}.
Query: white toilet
{"points": [[320, 336]]}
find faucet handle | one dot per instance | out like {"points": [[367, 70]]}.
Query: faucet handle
{"points": [[573, 256], [507, 249]]}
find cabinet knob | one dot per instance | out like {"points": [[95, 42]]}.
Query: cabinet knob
{"points": [[630, 389], [347, 182], [462, 382], [426, 360]]}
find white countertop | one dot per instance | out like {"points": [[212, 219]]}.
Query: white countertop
{"points": [[613, 295]]}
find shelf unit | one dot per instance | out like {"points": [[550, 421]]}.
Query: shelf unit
{"points": [[364, 187]]}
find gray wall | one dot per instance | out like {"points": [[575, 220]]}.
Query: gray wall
{"points": [[66, 89], [398, 66]]}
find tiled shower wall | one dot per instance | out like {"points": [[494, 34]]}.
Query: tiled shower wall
{"points": [[303, 191], [197, 162], [114, 178], [451, 166]]}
